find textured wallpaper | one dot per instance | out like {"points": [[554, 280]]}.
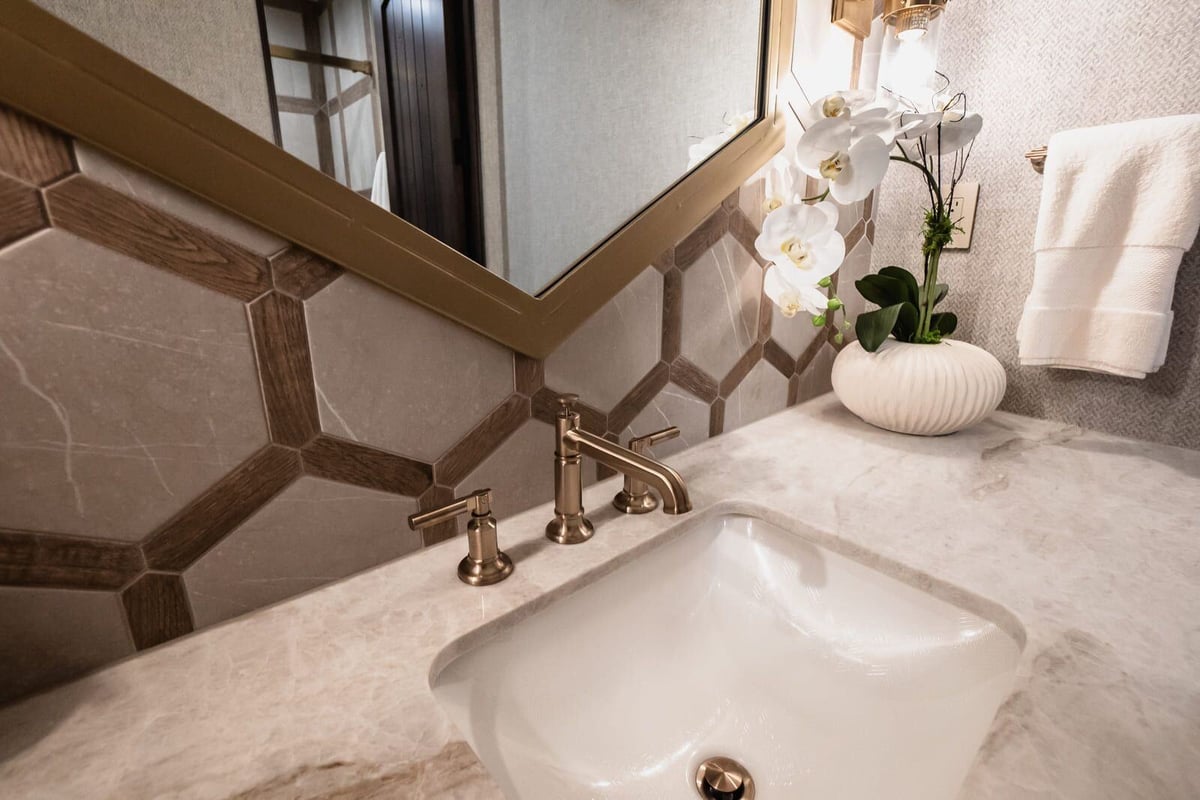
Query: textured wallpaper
{"points": [[1030, 78]]}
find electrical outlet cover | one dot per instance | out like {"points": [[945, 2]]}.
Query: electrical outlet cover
{"points": [[962, 211]]}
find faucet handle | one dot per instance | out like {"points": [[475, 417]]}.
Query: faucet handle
{"points": [[566, 404], [484, 563], [638, 444], [635, 496]]}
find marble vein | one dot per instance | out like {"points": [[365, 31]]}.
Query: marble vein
{"points": [[64, 419]]}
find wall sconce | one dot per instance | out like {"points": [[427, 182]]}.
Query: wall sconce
{"points": [[911, 18]]}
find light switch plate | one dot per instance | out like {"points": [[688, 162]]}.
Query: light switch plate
{"points": [[962, 211]]}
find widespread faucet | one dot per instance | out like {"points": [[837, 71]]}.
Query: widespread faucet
{"points": [[569, 525]]}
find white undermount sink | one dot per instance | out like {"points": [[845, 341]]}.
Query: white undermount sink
{"points": [[825, 678]]}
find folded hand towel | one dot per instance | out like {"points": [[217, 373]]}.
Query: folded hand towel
{"points": [[1120, 206], [379, 184]]}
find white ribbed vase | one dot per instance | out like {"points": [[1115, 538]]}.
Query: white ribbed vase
{"points": [[923, 389]]}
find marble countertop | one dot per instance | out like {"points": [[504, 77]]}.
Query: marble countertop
{"points": [[1090, 541]]}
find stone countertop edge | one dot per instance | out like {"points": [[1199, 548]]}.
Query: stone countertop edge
{"points": [[1082, 546]]}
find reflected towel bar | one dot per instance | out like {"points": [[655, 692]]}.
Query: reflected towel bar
{"points": [[1037, 157]]}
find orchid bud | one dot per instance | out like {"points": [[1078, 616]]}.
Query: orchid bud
{"points": [[818, 321]]}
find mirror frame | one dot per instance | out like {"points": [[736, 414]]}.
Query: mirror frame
{"points": [[57, 74]]}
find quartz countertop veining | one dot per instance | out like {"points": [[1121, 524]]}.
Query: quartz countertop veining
{"points": [[1089, 541]]}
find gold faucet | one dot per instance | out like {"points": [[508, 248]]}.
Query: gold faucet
{"points": [[569, 525], [485, 563]]}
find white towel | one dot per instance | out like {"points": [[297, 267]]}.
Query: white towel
{"points": [[379, 186], [1120, 207]]}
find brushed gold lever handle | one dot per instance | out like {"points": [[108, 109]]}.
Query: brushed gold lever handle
{"points": [[635, 497], [638, 444], [484, 563]]}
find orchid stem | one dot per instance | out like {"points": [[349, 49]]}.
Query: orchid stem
{"points": [[817, 197]]}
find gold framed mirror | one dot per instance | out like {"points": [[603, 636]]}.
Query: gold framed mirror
{"points": [[56, 73]]}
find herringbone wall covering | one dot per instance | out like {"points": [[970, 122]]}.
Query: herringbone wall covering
{"points": [[1032, 69]]}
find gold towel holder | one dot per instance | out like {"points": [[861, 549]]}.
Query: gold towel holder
{"points": [[1037, 157]]}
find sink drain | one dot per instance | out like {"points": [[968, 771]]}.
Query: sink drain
{"points": [[724, 779]]}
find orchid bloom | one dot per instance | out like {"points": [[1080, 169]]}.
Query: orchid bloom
{"points": [[803, 241], [791, 296], [784, 184], [853, 167]]}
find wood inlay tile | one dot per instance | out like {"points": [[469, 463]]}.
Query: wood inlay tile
{"points": [[31, 151], [435, 534], [109, 218], [21, 211], [638, 398], [778, 358], [687, 375], [529, 374], [855, 234], [766, 318], [740, 370], [701, 240], [809, 354], [285, 368], [868, 206], [66, 562], [302, 274], [672, 334], [793, 396], [731, 202], [716, 418], [871, 231], [213, 515], [157, 609], [477, 445], [350, 462], [744, 231], [665, 260]]}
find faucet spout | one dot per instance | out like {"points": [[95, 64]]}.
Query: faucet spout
{"points": [[664, 479]]}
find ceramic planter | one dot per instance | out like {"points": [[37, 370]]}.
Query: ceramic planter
{"points": [[922, 389]]}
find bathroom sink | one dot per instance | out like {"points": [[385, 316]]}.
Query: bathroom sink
{"points": [[823, 677]]}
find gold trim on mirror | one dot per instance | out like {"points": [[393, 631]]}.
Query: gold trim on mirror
{"points": [[52, 71]]}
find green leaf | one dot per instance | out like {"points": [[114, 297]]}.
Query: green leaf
{"points": [[872, 327], [906, 323], [911, 293], [944, 323], [881, 290], [942, 290]]}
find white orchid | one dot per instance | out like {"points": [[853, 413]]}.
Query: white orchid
{"points": [[853, 167], [784, 184], [804, 241], [704, 148], [838, 104], [793, 296]]}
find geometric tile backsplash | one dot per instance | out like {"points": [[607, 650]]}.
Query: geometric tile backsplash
{"points": [[198, 419]]}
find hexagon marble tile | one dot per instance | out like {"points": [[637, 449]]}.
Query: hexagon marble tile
{"points": [[761, 393], [671, 406], [314, 532], [610, 353], [392, 374], [49, 635], [125, 391], [722, 292]]}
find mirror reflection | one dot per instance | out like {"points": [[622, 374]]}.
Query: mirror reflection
{"points": [[522, 133], [466, 118]]}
